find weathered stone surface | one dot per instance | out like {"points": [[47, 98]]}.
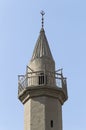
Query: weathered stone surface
{"points": [[39, 111], [42, 97]]}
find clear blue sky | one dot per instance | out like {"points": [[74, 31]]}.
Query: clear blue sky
{"points": [[65, 27]]}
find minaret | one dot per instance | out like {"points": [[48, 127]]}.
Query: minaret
{"points": [[42, 90]]}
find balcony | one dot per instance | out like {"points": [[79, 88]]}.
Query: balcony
{"points": [[40, 78]]}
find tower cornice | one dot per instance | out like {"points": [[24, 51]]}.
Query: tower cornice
{"points": [[31, 92]]}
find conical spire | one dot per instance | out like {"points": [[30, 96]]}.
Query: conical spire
{"points": [[42, 47], [42, 59]]}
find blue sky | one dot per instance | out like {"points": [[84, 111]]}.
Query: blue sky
{"points": [[65, 27]]}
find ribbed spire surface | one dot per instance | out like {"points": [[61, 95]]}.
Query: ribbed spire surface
{"points": [[42, 48]]}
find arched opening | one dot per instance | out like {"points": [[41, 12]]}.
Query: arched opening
{"points": [[51, 123], [42, 79]]}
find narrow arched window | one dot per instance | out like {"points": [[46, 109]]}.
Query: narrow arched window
{"points": [[41, 78], [51, 123]]}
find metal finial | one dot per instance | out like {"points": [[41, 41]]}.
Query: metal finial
{"points": [[42, 13]]}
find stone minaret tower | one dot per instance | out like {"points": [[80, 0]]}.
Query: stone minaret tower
{"points": [[42, 90]]}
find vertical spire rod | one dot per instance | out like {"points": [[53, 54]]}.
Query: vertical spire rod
{"points": [[42, 13]]}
